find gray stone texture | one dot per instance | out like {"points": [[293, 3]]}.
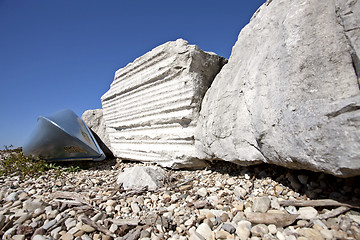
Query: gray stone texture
{"points": [[289, 94], [96, 123]]}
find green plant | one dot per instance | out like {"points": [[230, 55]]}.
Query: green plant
{"points": [[57, 170], [73, 169], [13, 161]]}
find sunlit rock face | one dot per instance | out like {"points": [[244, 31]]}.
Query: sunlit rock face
{"points": [[95, 121], [153, 104], [289, 94]]}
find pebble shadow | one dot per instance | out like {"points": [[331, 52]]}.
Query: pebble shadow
{"points": [[312, 184]]}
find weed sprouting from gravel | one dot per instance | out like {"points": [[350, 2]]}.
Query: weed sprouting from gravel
{"points": [[14, 162]]}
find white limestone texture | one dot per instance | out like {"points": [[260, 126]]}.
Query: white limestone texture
{"points": [[153, 104], [95, 121], [139, 177], [289, 94]]}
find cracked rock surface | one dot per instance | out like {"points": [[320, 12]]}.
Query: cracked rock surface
{"points": [[289, 94]]}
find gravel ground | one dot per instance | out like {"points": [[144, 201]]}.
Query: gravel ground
{"points": [[224, 201]]}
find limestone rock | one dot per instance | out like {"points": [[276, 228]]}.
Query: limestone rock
{"points": [[289, 94], [139, 177], [261, 204], [153, 104], [96, 123]]}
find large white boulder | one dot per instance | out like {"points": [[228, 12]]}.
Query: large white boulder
{"points": [[289, 94], [153, 104]]}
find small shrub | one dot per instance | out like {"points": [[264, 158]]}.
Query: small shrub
{"points": [[15, 162], [73, 169]]}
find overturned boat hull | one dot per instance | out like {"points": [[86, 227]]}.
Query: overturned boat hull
{"points": [[63, 136]]}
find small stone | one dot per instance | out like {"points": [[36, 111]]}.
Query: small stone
{"points": [[22, 218], [110, 203], [109, 209], [2, 220], [189, 222], [231, 181], [243, 229], [239, 206], [355, 231], [204, 230], [326, 233], [52, 214], [345, 224], [39, 231], [106, 237], [261, 204], [113, 228], [18, 237], [310, 233], [199, 204], [290, 237], [224, 217], [243, 233], [185, 187], [229, 228], [302, 223], [338, 234], [24, 230], [98, 216], [69, 223], [67, 236], [259, 230], [291, 209], [223, 235], [79, 233], [193, 235], [279, 189], [280, 236], [85, 237], [272, 229], [135, 207], [73, 230], [39, 237], [125, 210], [355, 218], [49, 224], [32, 205], [87, 228], [145, 234], [307, 213], [11, 197], [240, 192], [202, 192], [274, 204]]}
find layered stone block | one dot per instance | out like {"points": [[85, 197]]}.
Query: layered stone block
{"points": [[153, 104]]}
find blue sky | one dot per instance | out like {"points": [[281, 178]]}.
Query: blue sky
{"points": [[57, 54]]}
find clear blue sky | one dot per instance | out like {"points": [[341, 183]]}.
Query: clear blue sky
{"points": [[57, 54]]}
